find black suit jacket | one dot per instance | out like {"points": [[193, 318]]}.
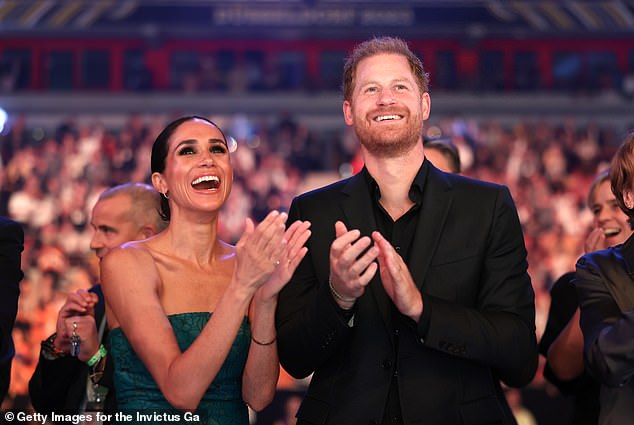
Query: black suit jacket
{"points": [[11, 246], [605, 287], [469, 261], [60, 385]]}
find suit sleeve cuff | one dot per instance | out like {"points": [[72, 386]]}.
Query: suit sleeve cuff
{"points": [[347, 316], [422, 327]]}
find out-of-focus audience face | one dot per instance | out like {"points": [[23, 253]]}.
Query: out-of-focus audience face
{"points": [[438, 159], [113, 225], [607, 214], [443, 154]]}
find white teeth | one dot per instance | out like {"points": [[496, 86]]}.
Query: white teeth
{"points": [[611, 232], [206, 179], [387, 117]]}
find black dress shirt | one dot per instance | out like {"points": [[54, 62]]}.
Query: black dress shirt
{"points": [[400, 234]]}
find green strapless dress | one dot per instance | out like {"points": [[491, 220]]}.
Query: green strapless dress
{"points": [[141, 400]]}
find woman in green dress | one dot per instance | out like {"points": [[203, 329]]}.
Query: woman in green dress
{"points": [[192, 317]]}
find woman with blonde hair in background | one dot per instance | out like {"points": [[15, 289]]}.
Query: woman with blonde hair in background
{"points": [[562, 342]]}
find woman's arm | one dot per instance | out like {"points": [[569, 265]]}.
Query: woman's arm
{"points": [[131, 284], [565, 354], [262, 369], [132, 302]]}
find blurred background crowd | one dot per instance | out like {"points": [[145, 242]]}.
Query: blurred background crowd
{"points": [[541, 110], [50, 185]]}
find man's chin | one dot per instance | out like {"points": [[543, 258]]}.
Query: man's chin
{"points": [[387, 148], [388, 142]]}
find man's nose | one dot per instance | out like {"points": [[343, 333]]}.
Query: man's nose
{"points": [[96, 242], [386, 97]]}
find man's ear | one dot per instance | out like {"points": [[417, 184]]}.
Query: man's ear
{"points": [[347, 113], [147, 231], [425, 105]]}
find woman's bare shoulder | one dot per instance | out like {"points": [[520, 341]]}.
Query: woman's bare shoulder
{"points": [[129, 261], [132, 251]]}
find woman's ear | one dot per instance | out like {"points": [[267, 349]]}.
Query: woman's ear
{"points": [[158, 182], [628, 199]]}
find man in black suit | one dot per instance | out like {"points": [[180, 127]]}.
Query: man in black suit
{"points": [[413, 301], [69, 384], [11, 246]]}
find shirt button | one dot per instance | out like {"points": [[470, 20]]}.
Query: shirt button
{"points": [[397, 248], [386, 364]]}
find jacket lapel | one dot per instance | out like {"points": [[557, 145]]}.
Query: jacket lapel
{"points": [[437, 199], [357, 208]]}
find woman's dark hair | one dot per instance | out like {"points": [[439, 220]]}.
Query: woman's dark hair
{"points": [[622, 174], [160, 148]]}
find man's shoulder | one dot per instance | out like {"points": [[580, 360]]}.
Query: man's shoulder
{"points": [[463, 182], [11, 237], [324, 192], [471, 191], [7, 223]]}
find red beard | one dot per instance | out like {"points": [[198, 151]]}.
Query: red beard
{"points": [[389, 140]]}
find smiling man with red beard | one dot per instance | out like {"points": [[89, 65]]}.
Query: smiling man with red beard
{"points": [[413, 301]]}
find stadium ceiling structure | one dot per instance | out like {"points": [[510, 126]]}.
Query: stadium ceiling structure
{"points": [[296, 19]]}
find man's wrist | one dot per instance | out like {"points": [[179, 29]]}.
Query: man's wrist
{"points": [[346, 303], [96, 365], [417, 311], [99, 354]]}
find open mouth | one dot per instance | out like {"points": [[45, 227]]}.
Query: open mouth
{"points": [[611, 232], [391, 117], [206, 183]]}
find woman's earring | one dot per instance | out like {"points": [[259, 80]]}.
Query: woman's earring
{"points": [[166, 194]]}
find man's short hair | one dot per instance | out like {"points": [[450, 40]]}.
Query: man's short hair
{"points": [[376, 46], [145, 200]]}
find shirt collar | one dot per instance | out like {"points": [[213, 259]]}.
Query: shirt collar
{"points": [[415, 190]]}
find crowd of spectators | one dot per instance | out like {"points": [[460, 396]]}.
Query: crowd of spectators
{"points": [[50, 179]]}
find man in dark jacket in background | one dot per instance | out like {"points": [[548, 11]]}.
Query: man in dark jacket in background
{"points": [[63, 383], [11, 246]]}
